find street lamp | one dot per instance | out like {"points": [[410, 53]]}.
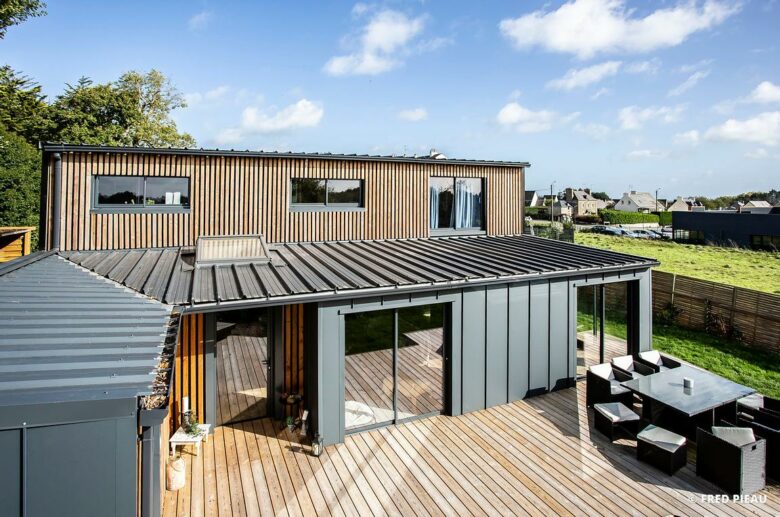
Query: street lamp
{"points": [[552, 202], [656, 199]]}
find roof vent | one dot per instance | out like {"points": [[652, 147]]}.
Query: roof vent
{"points": [[229, 249], [436, 155]]}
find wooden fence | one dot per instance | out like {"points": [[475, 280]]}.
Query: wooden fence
{"points": [[755, 314]]}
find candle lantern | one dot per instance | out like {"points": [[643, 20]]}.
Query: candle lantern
{"points": [[316, 445]]}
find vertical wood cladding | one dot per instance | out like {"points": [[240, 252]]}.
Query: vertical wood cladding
{"points": [[292, 339], [249, 195], [189, 369]]}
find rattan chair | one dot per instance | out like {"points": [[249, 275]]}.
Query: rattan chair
{"points": [[631, 366], [732, 458], [656, 361], [603, 385]]}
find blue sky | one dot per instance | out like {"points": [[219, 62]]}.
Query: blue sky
{"points": [[678, 95]]}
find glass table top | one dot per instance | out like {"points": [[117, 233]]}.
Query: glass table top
{"points": [[709, 390]]}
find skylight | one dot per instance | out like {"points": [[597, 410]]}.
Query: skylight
{"points": [[229, 249]]}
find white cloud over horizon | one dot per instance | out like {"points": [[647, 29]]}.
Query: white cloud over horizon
{"points": [[635, 117], [763, 129], [691, 137], [689, 83], [579, 78], [413, 114], [765, 93], [261, 121], [646, 154], [384, 42], [596, 132], [586, 28], [197, 98], [525, 120], [200, 20]]}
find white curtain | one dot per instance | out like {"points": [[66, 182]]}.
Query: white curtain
{"points": [[434, 195], [467, 204]]}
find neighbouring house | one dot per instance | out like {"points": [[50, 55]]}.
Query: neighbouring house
{"points": [[728, 228], [757, 207], [638, 202], [532, 199], [681, 204], [561, 208], [365, 290], [15, 241], [583, 203]]}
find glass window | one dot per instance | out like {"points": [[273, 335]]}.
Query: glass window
{"points": [[167, 191], [120, 190], [344, 192], [442, 193], [456, 203], [308, 191]]}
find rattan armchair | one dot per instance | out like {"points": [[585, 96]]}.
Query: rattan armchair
{"points": [[656, 361], [603, 385], [732, 458]]}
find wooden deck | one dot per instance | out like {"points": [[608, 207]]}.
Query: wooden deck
{"points": [[539, 456], [242, 378]]}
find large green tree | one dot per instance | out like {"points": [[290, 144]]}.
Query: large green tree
{"points": [[133, 111], [23, 107], [20, 166], [14, 12]]}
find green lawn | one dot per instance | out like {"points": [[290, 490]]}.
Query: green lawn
{"points": [[758, 270], [755, 368]]}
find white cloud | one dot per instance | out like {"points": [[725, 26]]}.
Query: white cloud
{"points": [[757, 154], [765, 93], [691, 137], [197, 98], [649, 67], [413, 115], [586, 28], [200, 20], [258, 121], [597, 132], [579, 78], [687, 69], [646, 154], [601, 93], [524, 120], [763, 129], [382, 46], [634, 117], [689, 83]]}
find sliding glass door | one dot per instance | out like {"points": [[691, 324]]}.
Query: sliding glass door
{"points": [[394, 365]]}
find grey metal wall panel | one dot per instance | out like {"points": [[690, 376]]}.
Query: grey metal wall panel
{"points": [[496, 351], [572, 330], [559, 334], [10, 472], [82, 469], [645, 311], [518, 326], [539, 335], [330, 370], [473, 350]]}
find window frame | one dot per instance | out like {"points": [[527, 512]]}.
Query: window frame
{"points": [[327, 206], [97, 207], [450, 231]]}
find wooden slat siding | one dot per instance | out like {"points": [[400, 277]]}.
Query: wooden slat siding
{"points": [[756, 314], [240, 195], [292, 346], [189, 370]]}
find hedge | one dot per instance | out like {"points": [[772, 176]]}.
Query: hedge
{"points": [[664, 218], [620, 217]]}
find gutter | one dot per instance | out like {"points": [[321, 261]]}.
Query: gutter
{"points": [[405, 289], [71, 148], [55, 239]]}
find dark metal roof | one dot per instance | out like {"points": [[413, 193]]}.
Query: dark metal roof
{"points": [[81, 148], [71, 335], [320, 270]]}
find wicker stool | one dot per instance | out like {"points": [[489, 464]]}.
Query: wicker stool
{"points": [[611, 415], [663, 449]]}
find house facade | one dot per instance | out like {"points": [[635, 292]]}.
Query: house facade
{"points": [[681, 204], [583, 203], [360, 291], [638, 202]]}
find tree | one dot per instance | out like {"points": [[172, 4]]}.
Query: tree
{"points": [[20, 177], [14, 12], [601, 195], [133, 111], [23, 108]]}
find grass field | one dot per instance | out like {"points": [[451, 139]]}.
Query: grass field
{"points": [[755, 368], [758, 270]]}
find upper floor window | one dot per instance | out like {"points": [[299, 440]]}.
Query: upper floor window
{"points": [[332, 193], [456, 203], [141, 192]]}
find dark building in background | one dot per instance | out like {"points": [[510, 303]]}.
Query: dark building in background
{"points": [[727, 228]]}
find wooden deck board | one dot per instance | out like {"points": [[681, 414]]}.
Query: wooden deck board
{"points": [[538, 456], [242, 378]]}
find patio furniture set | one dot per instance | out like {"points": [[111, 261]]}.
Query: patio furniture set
{"points": [[736, 432]]}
